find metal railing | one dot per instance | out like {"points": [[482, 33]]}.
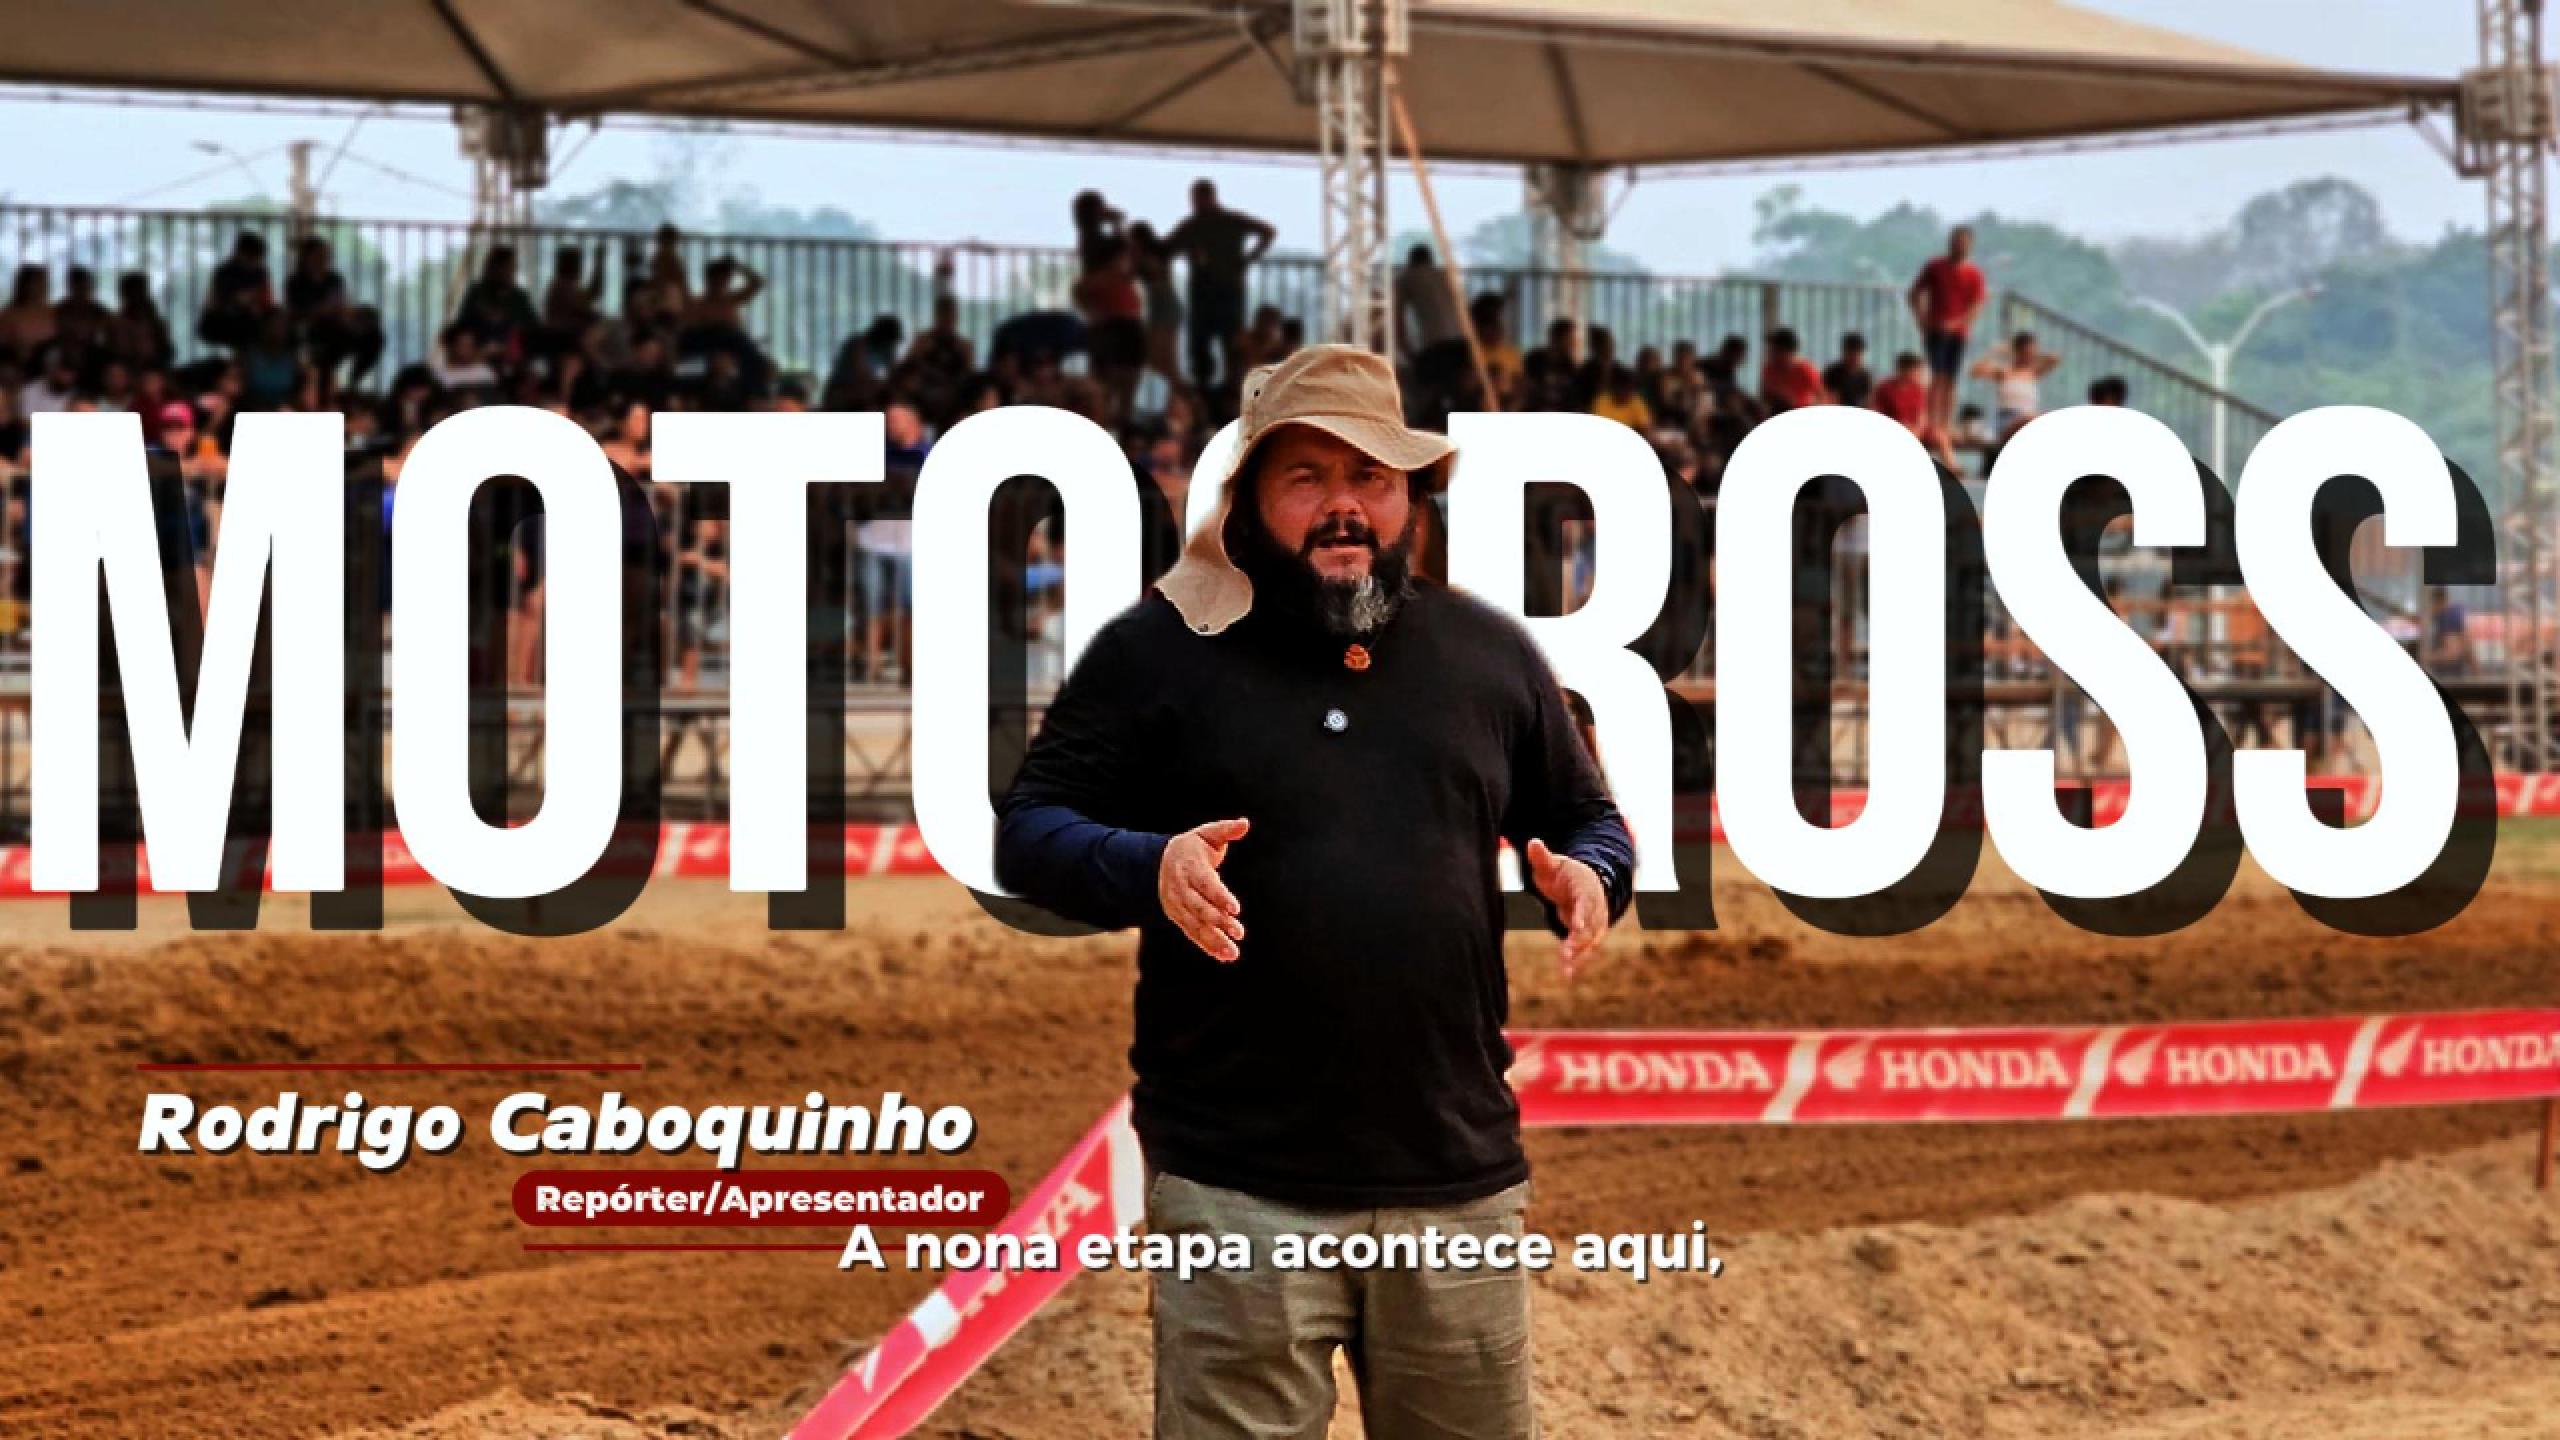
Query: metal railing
{"points": [[820, 291], [2181, 401], [1640, 310]]}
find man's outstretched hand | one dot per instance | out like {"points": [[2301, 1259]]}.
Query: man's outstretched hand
{"points": [[1574, 889], [1197, 901]]}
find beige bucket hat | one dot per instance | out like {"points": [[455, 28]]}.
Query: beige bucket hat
{"points": [[1342, 390]]}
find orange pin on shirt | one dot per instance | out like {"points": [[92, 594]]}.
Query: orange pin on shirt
{"points": [[1356, 658]]}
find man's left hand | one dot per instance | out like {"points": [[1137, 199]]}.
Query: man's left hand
{"points": [[1575, 890]]}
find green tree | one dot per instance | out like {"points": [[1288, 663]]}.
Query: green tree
{"points": [[1503, 243], [625, 205], [1797, 242], [2403, 327]]}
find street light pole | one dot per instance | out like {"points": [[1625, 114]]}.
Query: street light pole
{"points": [[2218, 357]]}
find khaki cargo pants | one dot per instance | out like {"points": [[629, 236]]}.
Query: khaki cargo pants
{"points": [[1437, 1355]]}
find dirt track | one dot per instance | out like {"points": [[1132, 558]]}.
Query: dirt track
{"points": [[285, 1296]]}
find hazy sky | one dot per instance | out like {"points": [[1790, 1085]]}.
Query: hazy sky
{"points": [[118, 154]]}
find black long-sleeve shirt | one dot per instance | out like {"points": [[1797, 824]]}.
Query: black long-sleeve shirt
{"points": [[1354, 1054]]}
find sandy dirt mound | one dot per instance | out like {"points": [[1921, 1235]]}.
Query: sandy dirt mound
{"points": [[2418, 1304], [2422, 1301], [265, 1296], [510, 1416], [2516, 1406]]}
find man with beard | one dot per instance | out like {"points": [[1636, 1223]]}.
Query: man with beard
{"points": [[1291, 768]]}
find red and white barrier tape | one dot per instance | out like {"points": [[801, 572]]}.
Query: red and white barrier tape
{"points": [[2519, 796], [702, 848], [1888, 1077], [685, 848], [1640, 1077], [1099, 1189]]}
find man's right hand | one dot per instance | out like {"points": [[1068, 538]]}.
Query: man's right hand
{"points": [[1194, 898]]}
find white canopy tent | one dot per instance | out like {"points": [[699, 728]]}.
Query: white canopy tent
{"points": [[1586, 82], [1569, 88]]}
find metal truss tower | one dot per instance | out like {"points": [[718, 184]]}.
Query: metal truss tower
{"points": [[2504, 137], [1343, 50], [1566, 218]]}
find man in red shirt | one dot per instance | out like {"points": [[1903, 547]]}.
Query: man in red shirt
{"points": [[1943, 300], [1903, 397], [1789, 381]]}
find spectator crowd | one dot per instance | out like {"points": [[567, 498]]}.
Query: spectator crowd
{"points": [[1153, 346]]}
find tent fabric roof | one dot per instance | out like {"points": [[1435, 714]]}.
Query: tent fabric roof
{"points": [[1606, 82]]}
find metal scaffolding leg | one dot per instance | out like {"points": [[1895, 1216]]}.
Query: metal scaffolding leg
{"points": [[2505, 138], [1343, 48], [1566, 218], [510, 152]]}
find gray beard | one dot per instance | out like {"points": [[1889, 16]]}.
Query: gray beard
{"points": [[1287, 584], [1356, 609]]}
